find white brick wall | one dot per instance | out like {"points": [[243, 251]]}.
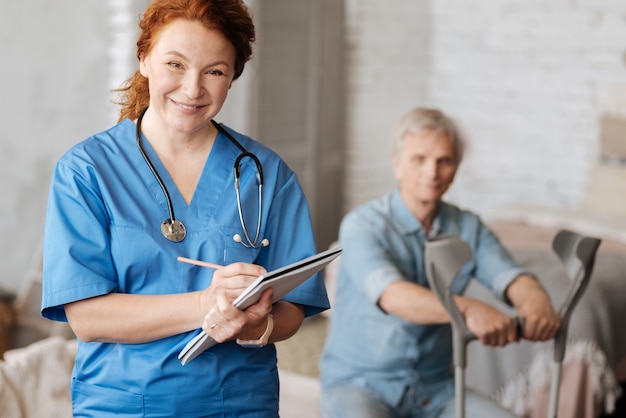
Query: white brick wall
{"points": [[387, 62], [529, 81], [54, 84]]}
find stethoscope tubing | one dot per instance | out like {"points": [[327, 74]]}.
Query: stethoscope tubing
{"points": [[173, 229], [250, 243], [170, 207]]}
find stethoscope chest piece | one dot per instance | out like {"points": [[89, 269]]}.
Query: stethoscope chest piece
{"points": [[173, 230]]}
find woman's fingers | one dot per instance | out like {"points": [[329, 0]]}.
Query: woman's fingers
{"points": [[224, 321], [240, 270]]}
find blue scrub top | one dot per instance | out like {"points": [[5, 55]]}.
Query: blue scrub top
{"points": [[103, 235]]}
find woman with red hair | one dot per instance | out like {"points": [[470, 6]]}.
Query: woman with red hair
{"points": [[110, 262]]}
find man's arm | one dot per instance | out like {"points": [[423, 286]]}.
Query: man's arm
{"points": [[413, 303], [419, 305]]}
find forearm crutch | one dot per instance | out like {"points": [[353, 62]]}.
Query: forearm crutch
{"points": [[444, 257], [578, 254]]}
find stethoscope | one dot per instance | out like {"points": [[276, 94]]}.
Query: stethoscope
{"points": [[174, 230]]}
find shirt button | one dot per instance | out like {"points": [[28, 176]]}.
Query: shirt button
{"points": [[425, 402]]}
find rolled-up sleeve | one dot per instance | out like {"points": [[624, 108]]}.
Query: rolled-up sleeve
{"points": [[368, 262], [495, 267]]}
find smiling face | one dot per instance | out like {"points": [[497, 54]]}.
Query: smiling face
{"points": [[424, 165], [189, 69]]}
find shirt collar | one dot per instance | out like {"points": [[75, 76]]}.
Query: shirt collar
{"points": [[408, 223]]}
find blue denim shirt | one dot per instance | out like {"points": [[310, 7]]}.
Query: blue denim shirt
{"points": [[383, 243]]}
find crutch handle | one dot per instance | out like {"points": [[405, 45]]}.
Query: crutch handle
{"points": [[518, 321], [466, 336]]}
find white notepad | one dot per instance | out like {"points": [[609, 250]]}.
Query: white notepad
{"points": [[282, 280]]}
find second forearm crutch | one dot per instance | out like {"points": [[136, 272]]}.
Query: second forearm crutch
{"points": [[577, 253]]}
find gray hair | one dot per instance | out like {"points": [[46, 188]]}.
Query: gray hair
{"points": [[422, 119]]}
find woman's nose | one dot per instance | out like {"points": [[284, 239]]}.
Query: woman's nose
{"points": [[192, 86]]}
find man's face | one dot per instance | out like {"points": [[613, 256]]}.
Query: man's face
{"points": [[425, 167]]}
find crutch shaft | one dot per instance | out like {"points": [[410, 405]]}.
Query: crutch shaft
{"points": [[554, 389], [459, 390]]}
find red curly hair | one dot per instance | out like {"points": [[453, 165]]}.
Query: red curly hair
{"points": [[231, 17]]}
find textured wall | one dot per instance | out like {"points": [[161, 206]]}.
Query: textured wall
{"points": [[533, 83], [388, 64], [530, 83], [55, 92]]}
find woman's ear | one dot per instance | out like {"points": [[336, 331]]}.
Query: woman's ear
{"points": [[143, 66]]}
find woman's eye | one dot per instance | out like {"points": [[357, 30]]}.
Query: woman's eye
{"points": [[174, 64], [215, 73]]}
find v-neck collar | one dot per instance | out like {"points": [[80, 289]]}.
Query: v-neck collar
{"points": [[211, 183], [216, 177]]}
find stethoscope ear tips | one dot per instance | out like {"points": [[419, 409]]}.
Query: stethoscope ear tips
{"points": [[264, 243]]}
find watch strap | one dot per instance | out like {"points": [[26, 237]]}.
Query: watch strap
{"points": [[262, 341]]}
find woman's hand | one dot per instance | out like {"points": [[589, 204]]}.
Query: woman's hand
{"points": [[224, 321], [230, 281]]}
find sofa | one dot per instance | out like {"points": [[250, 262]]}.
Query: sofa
{"points": [[35, 374]]}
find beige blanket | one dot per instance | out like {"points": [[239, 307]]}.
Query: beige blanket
{"points": [[34, 381], [587, 387], [596, 344]]}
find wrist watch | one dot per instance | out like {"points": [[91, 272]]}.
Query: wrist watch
{"points": [[261, 342]]}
